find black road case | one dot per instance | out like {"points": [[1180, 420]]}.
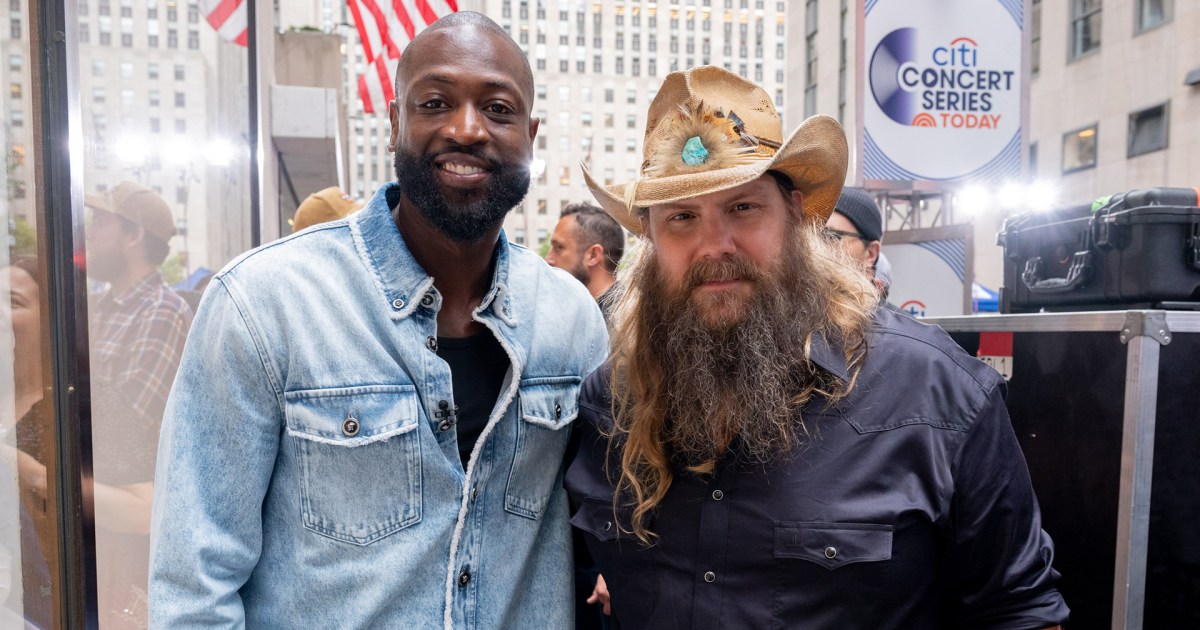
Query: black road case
{"points": [[1104, 404], [1139, 249]]}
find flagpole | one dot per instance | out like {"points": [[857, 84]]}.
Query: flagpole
{"points": [[254, 120]]}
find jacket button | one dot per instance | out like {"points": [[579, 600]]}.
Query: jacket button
{"points": [[350, 426], [607, 525], [444, 426], [830, 552], [474, 493], [432, 343], [427, 300], [557, 411], [397, 304], [464, 578], [710, 577], [717, 495]]}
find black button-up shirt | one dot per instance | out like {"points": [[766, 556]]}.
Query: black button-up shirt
{"points": [[911, 507]]}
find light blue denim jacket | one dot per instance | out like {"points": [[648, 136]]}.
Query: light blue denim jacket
{"points": [[307, 476]]}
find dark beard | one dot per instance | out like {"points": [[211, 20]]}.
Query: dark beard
{"points": [[732, 382], [449, 211]]}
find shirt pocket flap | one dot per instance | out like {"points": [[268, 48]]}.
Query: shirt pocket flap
{"points": [[551, 402], [833, 545], [351, 416], [597, 519]]}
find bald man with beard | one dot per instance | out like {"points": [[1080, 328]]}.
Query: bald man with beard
{"points": [[369, 421], [765, 447]]}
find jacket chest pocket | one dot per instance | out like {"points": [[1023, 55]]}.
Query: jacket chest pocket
{"points": [[359, 457], [546, 406]]}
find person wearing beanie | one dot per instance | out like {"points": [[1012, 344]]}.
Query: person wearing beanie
{"points": [[857, 225]]}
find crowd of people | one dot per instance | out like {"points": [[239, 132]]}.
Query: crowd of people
{"points": [[395, 417]]}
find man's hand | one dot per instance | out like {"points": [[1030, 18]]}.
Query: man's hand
{"points": [[600, 594]]}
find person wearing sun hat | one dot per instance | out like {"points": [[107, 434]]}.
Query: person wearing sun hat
{"points": [[765, 447]]}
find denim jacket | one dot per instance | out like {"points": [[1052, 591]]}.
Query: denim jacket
{"points": [[308, 475]]}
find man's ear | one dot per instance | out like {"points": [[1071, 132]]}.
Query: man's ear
{"points": [[593, 256], [798, 203], [872, 253], [394, 118], [534, 123]]}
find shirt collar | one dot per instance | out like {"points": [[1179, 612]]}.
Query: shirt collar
{"points": [[829, 356], [401, 280]]}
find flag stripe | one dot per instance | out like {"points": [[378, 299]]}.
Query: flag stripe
{"points": [[364, 94], [381, 24], [368, 52], [426, 11], [385, 28], [221, 12], [405, 19]]}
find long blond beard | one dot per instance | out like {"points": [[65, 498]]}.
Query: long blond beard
{"points": [[689, 387]]}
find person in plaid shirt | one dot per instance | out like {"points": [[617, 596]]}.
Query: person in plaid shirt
{"points": [[138, 328]]}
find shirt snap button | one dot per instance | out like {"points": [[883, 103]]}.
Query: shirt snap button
{"points": [[350, 426], [464, 578], [557, 411], [474, 493], [830, 553], [397, 303], [710, 577], [607, 525], [718, 495], [444, 426], [427, 300], [432, 343]]}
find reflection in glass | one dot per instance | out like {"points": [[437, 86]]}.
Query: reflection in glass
{"points": [[166, 189]]}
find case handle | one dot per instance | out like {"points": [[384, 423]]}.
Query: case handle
{"points": [[1078, 273]]}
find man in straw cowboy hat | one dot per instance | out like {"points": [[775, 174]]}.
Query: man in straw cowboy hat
{"points": [[765, 447]]}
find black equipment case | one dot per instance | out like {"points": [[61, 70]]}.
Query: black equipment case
{"points": [[1138, 249]]}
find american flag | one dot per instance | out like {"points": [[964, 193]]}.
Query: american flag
{"points": [[385, 27], [229, 18]]}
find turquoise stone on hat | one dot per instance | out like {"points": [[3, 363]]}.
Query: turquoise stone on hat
{"points": [[694, 152]]}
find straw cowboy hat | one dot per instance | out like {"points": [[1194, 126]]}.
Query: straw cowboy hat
{"points": [[710, 130]]}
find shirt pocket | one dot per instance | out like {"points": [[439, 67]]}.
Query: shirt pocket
{"points": [[547, 407], [360, 460]]}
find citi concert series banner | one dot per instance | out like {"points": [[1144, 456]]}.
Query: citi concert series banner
{"points": [[942, 89]]}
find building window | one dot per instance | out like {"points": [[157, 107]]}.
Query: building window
{"points": [[152, 71], [156, 126], [180, 99], [98, 68], [153, 98], [16, 118], [172, 38], [180, 72], [608, 95], [1151, 13], [14, 63], [180, 126], [631, 96], [1079, 149], [15, 28], [193, 40], [564, 176], [1033, 160], [1085, 26], [1148, 130], [1035, 37]]}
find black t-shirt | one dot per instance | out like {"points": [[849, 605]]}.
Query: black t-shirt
{"points": [[477, 367]]}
